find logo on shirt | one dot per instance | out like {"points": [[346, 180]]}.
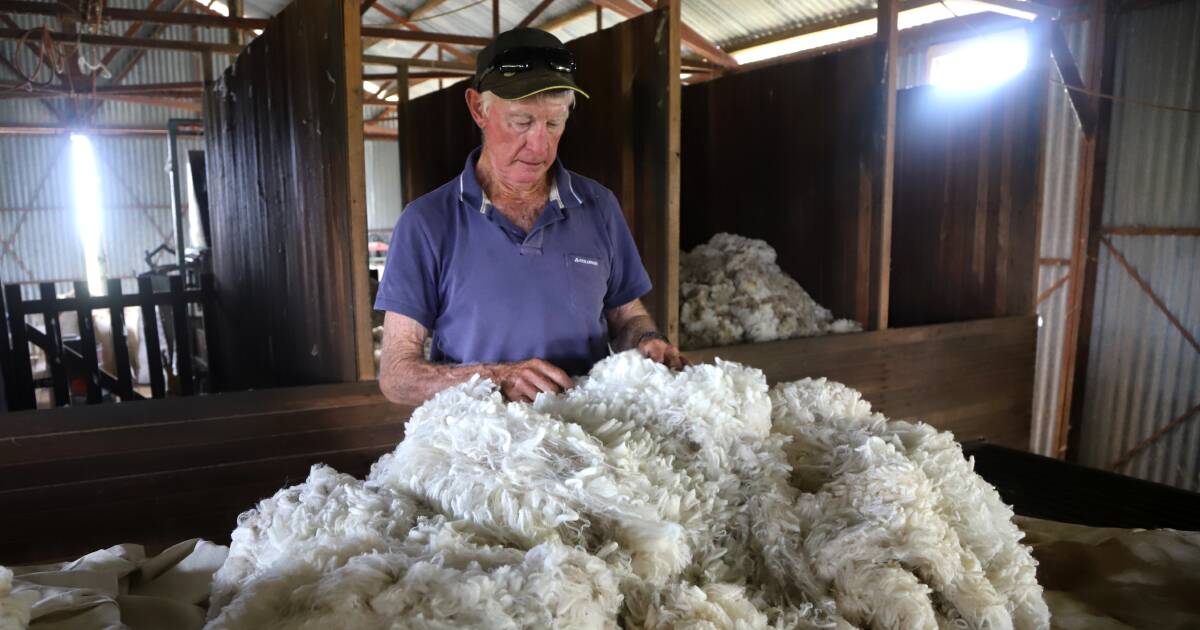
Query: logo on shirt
{"points": [[586, 261]]}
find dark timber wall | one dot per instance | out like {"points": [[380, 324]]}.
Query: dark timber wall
{"points": [[287, 200], [967, 199], [782, 154], [617, 137]]}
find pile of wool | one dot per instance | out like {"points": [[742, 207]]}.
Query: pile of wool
{"points": [[732, 291], [641, 498]]}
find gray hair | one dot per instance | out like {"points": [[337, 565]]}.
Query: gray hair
{"points": [[549, 95]]}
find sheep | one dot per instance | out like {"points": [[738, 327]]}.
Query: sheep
{"points": [[732, 291], [641, 498]]}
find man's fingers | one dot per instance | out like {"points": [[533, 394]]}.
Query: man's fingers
{"points": [[540, 382], [552, 372], [523, 391], [675, 360]]}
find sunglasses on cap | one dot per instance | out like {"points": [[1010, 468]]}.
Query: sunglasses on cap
{"points": [[517, 60]]}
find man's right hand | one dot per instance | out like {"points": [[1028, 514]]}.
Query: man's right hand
{"points": [[522, 381]]}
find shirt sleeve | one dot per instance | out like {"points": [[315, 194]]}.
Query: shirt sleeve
{"points": [[628, 279], [410, 283]]}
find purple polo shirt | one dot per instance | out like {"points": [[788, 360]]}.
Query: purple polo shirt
{"points": [[491, 292]]}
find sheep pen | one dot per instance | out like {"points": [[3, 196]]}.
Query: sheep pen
{"points": [[642, 498], [732, 291]]}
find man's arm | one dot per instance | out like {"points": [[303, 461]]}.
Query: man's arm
{"points": [[406, 378], [626, 326]]}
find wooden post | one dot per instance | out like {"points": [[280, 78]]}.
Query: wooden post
{"points": [[404, 126], [235, 11], [599, 18], [356, 180], [212, 346], [1085, 246], [54, 349], [116, 315], [495, 17], [22, 395], [664, 209], [183, 337], [87, 339], [150, 336], [6, 358], [882, 165]]}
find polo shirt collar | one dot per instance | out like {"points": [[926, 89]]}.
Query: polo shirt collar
{"points": [[471, 193]]}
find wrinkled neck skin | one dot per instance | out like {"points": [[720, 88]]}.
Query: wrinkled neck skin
{"points": [[508, 194]]}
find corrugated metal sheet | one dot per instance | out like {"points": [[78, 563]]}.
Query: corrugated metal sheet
{"points": [[1060, 196], [383, 186], [722, 22], [40, 221], [1141, 372]]}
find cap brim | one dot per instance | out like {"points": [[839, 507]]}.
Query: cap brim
{"points": [[526, 84]]}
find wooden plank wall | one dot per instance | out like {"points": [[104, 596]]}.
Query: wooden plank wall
{"points": [[619, 137], [77, 479], [782, 154], [972, 378], [435, 138], [287, 200], [967, 202]]}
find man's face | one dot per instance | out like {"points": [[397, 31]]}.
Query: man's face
{"points": [[521, 137]]}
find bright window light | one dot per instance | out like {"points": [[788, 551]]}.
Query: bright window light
{"points": [[907, 19], [219, 7], [980, 62], [85, 180]]}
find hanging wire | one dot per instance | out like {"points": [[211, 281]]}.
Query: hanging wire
{"points": [[450, 12], [1130, 101]]}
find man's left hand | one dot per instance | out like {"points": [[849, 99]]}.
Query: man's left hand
{"points": [[664, 353]]}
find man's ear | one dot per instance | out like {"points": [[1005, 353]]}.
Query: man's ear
{"points": [[475, 106]]}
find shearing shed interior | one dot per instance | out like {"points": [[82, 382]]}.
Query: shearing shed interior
{"points": [[641, 314]]}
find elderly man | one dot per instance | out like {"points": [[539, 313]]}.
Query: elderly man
{"points": [[525, 272]]}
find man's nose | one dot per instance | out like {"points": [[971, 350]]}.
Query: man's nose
{"points": [[538, 139]]}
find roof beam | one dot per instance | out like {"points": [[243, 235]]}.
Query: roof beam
{"points": [[1069, 72], [413, 34], [689, 37], [424, 36], [413, 62], [406, 23], [566, 18], [137, 15], [425, 9], [533, 15], [131, 31], [130, 42], [1024, 6]]}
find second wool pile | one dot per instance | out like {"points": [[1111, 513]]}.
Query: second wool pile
{"points": [[732, 291], [642, 498]]}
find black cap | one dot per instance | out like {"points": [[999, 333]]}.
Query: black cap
{"points": [[512, 86]]}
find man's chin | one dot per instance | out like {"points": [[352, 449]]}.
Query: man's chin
{"points": [[527, 174]]}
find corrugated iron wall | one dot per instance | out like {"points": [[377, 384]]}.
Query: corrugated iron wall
{"points": [[1060, 197], [1142, 371], [38, 238]]}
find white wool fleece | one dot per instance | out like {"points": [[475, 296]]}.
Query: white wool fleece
{"points": [[321, 523], [641, 498], [732, 291]]}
